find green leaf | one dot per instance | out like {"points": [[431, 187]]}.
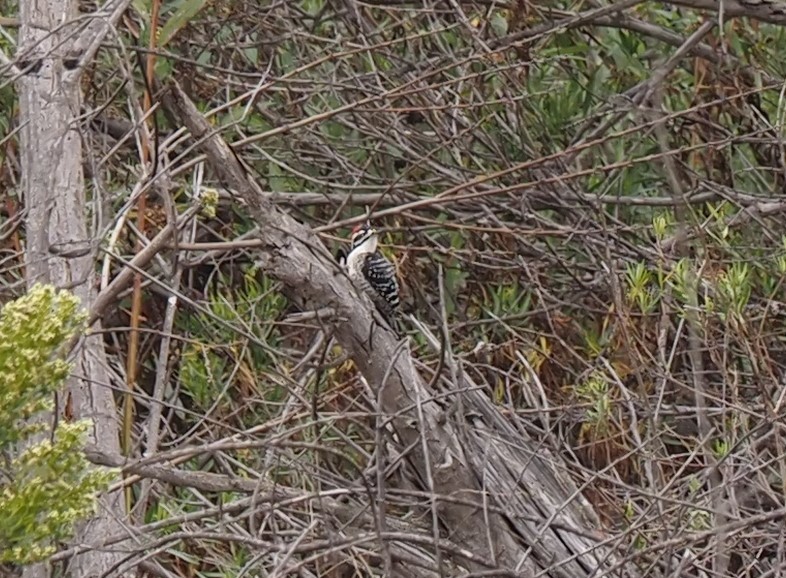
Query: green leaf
{"points": [[499, 24], [182, 15]]}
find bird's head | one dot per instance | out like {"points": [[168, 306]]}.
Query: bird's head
{"points": [[364, 238]]}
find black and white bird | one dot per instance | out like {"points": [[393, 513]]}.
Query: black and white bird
{"points": [[368, 268]]}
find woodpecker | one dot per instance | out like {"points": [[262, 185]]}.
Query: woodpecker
{"points": [[372, 272]]}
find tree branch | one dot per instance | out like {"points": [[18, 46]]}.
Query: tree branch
{"points": [[770, 11], [294, 255]]}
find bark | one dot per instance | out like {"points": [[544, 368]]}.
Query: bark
{"points": [[486, 463], [59, 248]]}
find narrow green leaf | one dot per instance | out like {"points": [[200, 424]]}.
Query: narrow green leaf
{"points": [[180, 18]]}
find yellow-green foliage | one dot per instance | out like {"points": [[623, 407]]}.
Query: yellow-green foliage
{"points": [[50, 485]]}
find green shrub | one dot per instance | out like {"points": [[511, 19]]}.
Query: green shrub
{"points": [[49, 485]]}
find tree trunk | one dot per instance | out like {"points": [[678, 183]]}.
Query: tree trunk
{"points": [[59, 249]]}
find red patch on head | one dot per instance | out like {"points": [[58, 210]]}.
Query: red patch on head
{"points": [[357, 228]]}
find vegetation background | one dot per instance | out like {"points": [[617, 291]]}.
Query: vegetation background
{"points": [[585, 204]]}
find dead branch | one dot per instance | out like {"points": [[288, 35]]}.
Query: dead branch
{"points": [[490, 470]]}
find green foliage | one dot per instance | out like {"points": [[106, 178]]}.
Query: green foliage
{"points": [[207, 369], [640, 287], [595, 391], [661, 225], [182, 13], [510, 299], [49, 486], [735, 290], [720, 448], [32, 329], [201, 373], [209, 202]]}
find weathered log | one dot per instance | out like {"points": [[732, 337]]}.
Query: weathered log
{"points": [[475, 464]]}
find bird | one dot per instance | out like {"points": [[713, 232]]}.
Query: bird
{"points": [[368, 268]]}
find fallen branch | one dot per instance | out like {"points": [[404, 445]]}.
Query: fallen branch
{"points": [[488, 470]]}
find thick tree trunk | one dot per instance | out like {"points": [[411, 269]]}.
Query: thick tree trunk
{"points": [[59, 248]]}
